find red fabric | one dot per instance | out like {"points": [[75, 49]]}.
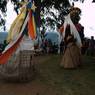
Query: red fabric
{"points": [[61, 29], [31, 29], [7, 54], [78, 27]]}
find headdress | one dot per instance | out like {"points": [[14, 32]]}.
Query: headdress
{"points": [[75, 10], [75, 14]]}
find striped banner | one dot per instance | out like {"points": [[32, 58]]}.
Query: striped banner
{"points": [[17, 31], [11, 48]]}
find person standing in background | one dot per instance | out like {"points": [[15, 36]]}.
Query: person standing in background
{"points": [[72, 40]]}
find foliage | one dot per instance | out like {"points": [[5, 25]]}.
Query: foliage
{"points": [[43, 6], [56, 9]]}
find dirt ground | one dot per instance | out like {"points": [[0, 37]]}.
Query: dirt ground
{"points": [[49, 79], [33, 87]]}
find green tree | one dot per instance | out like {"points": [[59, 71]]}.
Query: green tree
{"points": [[43, 7]]}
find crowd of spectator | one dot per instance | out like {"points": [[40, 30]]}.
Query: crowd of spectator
{"points": [[88, 47], [49, 47]]}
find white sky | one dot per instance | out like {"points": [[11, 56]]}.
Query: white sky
{"points": [[11, 15], [87, 16]]}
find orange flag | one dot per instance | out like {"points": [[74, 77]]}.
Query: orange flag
{"points": [[31, 26]]}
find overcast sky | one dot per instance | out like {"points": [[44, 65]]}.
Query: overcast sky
{"points": [[11, 15], [87, 16]]}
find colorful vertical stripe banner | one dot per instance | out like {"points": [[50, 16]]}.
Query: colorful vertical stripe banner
{"points": [[12, 46], [17, 32]]}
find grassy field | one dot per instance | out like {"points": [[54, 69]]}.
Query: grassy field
{"points": [[50, 79]]}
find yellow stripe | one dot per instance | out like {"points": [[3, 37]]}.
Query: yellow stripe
{"points": [[16, 25], [13, 24]]}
